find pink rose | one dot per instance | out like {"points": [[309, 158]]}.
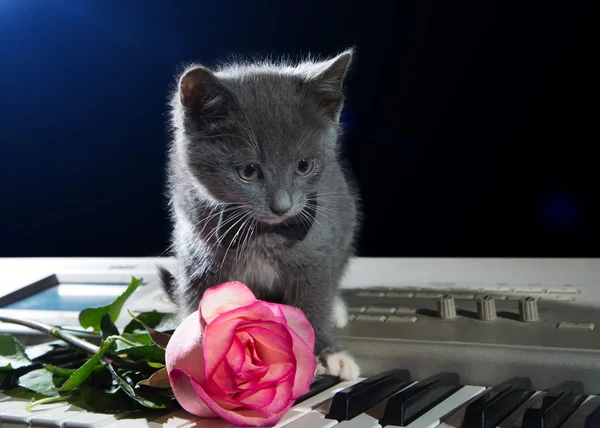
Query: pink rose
{"points": [[241, 359]]}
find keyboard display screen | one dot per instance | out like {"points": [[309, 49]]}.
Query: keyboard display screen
{"points": [[70, 297]]}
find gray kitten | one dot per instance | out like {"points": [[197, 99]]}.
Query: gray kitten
{"points": [[258, 193]]}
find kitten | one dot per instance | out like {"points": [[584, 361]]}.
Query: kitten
{"points": [[258, 193]]}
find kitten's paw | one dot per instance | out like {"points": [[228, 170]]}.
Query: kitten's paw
{"points": [[343, 365], [340, 313], [320, 370]]}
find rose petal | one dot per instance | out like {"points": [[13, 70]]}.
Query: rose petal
{"points": [[256, 311], [218, 340], [185, 349], [236, 356], [272, 341], [225, 379], [239, 415], [219, 337], [186, 395], [281, 393], [306, 364], [223, 298], [298, 322]]}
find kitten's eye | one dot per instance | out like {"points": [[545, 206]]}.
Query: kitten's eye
{"points": [[248, 172], [305, 166]]}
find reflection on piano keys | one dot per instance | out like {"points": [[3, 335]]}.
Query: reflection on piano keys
{"points": [[386, 400]]}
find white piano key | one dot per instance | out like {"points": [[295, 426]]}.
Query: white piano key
{"points": [[577, 419], [361, 421], [19, 415], [7, 404], [74, 417], [455, 418], [432, 418], [141, 422], [177, 419], [290, 416], [313, 420], [313, 402]]}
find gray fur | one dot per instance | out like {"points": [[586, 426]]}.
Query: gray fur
{"points": [[273, 115]]}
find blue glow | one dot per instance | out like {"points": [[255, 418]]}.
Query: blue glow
{"points": [[559, 209]]}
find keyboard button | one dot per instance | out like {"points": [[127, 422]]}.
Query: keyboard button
{"points": [[318, 386], [563, 291], [410, 404], [371, 294], [576, 325], [360, 397], [462, 296], [534, 290], [370, 318], [558, 404], [497, 403], [399, 319], [400, 311], [381, 310], [428, 295], [400, 294]]}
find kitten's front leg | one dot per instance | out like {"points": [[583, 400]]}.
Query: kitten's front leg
{"points": [[340, 313], [331, 358]]}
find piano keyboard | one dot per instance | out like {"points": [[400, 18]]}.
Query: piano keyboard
{"points": [[441, 343], [387, 400]]}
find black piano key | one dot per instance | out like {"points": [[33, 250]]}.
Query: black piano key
{"points": [[558, 404], [360, 397], [410, 404], [593, 419], [497, 403], [319, 386]]}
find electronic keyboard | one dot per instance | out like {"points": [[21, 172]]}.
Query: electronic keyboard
{"points": [[441, 342]]}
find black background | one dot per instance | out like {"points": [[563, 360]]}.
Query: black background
{"points": [[471, 126]]}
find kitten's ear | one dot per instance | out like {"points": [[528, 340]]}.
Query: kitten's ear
{"points": [[201, 93], [327, 84]]}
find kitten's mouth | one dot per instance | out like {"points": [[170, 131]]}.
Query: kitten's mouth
{"points": [[275, 220]]}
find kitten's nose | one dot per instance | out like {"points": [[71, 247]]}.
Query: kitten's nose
{"points": [[281, 203]]}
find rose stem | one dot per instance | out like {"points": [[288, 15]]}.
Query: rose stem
{"points": [[54, 332]]}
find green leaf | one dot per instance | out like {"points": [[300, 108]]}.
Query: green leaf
{"points": [[159, 379], [59, 371], [161, 339], [12, 354], [83, 372], [91, 317], [155, 365], [112, 400], [151, 319], [141, 338], [144, 352], [107, 327], [39, 381], [146, 398], [39, 351]]}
